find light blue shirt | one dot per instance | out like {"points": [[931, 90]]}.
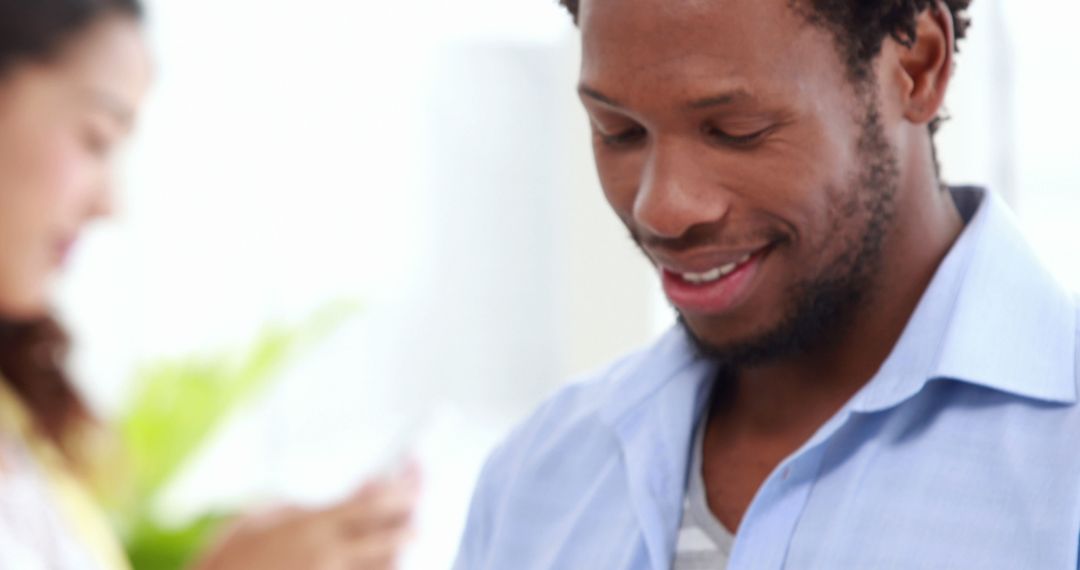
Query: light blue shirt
{"points": [[963, 451]]}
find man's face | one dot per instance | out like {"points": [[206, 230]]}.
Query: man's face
{"points": [[749, 169]]}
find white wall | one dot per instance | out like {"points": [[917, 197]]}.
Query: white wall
{"points": [[1015, 120], [431, 163]]}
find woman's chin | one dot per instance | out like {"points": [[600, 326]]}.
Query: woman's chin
{"points": [[26, 307]]}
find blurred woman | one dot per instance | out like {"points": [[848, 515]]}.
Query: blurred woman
{"points": [[73, 74]]}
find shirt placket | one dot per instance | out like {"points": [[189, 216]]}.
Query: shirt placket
{"points": [[767, 529]]}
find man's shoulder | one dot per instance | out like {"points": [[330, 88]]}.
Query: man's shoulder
{"points": [[579, 417], [1076, 310], [567, 454], [581, 402]]}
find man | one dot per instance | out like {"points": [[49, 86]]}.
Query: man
{"points": [[871, 370]]}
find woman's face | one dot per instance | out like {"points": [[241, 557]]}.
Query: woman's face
{"points": [[60, 123]]}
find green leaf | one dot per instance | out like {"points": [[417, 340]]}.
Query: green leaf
{"points": [[177, 406], [153, 547]]}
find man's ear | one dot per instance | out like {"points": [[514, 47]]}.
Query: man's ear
{"points": [[927, 65]]}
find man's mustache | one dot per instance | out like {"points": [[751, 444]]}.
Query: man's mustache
{"points": [[710, 235]]}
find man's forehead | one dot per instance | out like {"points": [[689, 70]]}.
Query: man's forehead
{"points": [[701, 47], [684, 15], [659, 29]]}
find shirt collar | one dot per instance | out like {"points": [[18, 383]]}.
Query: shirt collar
{"points": [[992, 316], [646, 376], [657, 398]]}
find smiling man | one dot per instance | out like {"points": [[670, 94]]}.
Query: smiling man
{"points": [[871, 370]]}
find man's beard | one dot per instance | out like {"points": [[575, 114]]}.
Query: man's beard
{"points": [[822, 305]]}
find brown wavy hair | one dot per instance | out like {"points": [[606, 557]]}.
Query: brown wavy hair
{"points": [[32, 357], [33, 354]]}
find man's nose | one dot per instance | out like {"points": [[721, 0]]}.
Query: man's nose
{"points": [[678, 192]]}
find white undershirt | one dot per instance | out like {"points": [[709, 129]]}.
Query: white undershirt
{"points": [[703, 542]]}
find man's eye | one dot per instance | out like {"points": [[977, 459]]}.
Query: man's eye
{"points": [[725, 138], [623, 139]]}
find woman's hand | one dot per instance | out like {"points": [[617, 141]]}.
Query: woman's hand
{"points": [[367, 531]]}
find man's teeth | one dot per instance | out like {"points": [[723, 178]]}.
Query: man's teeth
{"points": [[715, 274]]}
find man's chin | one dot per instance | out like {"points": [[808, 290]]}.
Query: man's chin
{"points": [[748, 349], [819, 312], [724, 347]]}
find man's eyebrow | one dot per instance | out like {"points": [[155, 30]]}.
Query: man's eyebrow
{"points": [[721, 99], [594, 94]]}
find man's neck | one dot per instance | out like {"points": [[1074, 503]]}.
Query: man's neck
{"points": [[766, 413], [791, 398]]}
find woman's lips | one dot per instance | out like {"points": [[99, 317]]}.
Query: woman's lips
{"points": [[716, 290]]}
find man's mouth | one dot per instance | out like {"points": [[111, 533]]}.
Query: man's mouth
{"points": [[715, 289], [715, 273]]}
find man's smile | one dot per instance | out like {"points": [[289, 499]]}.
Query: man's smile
{"points": [[712, 283]]}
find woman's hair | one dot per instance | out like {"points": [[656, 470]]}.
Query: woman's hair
{"points": [[38, 29], [32, 354]]}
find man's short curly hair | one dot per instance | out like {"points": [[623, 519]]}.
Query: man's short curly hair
{"points": [[860, 26]]}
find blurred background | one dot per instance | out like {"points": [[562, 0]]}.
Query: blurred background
{"points": [[427, 165]]}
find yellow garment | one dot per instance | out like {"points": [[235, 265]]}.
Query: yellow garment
{"points": [[83, 516]]}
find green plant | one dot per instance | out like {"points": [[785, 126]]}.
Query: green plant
{"points": [[177, 405]]}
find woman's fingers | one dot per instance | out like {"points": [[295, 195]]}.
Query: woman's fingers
{"points": [[366, 531], [383, 505], [376, 552]]}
